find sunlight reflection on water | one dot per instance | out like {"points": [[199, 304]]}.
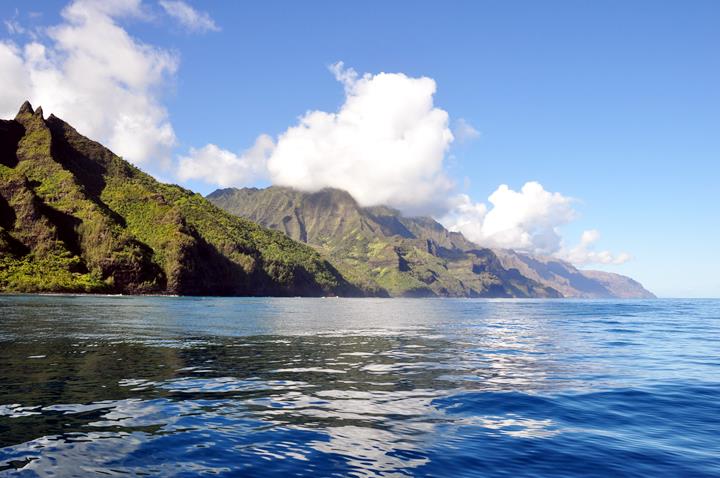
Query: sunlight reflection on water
{"points": [[168, 386]]}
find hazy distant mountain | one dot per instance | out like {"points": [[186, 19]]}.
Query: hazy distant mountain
{"points": [[570, 281], [620, 286], [76, 217], [382, 251]]}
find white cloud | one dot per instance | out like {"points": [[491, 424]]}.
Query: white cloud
{"points": [[188, 17], [527, 220], [13, 84], [464, 131], [584, 252], [385, 145], [466, 216], [529, 217], [225, 168], [93, 74]]}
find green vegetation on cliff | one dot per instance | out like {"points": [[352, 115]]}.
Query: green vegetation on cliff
{"points": [[383, 252], [378, 249], [74, 217]]}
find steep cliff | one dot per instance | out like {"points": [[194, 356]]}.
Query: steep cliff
{"points": [[76, 217], [380, 250]]}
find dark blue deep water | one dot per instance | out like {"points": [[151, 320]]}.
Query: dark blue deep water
{"points": [[98, 386]]}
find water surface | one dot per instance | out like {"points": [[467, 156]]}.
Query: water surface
{"points": [[358, 387]]}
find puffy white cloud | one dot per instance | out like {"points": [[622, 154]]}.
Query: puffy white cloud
{"points": [[527, 219], [464, 131], [385, 145], [188, 17], [466, 216], [584, 252], [225, 168], [92, 73]]}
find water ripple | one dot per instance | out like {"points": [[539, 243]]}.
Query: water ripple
{"points": [[275, 387]]}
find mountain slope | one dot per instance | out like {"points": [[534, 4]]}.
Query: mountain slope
{"points": [[573, 282], [76, 217], [381, 250], [619, 286], [377, 248]]}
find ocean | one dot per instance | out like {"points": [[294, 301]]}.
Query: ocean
{"points": [[168, 386]]}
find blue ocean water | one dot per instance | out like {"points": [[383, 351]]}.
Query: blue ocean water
{"points": [[358, 387]]}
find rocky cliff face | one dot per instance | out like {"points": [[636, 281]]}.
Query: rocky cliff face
{"points": [[382, 251], [378, 249], [76, 217]]}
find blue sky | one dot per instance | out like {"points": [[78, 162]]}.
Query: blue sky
{"points": [[615, 104]]}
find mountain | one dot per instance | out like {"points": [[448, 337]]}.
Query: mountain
{"points": [[74, 217], [619, 286], [378, 249], [570, 281], [384, 252]]}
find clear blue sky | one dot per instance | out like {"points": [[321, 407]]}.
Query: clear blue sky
{"points": [[616, 103]]}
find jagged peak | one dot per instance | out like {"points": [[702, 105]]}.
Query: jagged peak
{"points": [[26, 108]]}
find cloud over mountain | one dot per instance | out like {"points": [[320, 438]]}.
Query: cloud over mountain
{"points": [[225, 168], [527, 220], [385, 145], [584, 253]]}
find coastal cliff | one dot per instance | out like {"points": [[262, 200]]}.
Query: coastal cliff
{"points": [[385, 252], [75, 217]]}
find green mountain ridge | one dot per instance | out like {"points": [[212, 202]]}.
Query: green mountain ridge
{"points": [[385, 253], [74, 217], [378, 249]]}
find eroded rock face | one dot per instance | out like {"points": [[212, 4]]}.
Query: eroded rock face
{"points": [[380, 250], [386, 253], [76, 217]]}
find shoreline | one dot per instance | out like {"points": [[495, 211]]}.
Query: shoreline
{"points": [[176, 296]]}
